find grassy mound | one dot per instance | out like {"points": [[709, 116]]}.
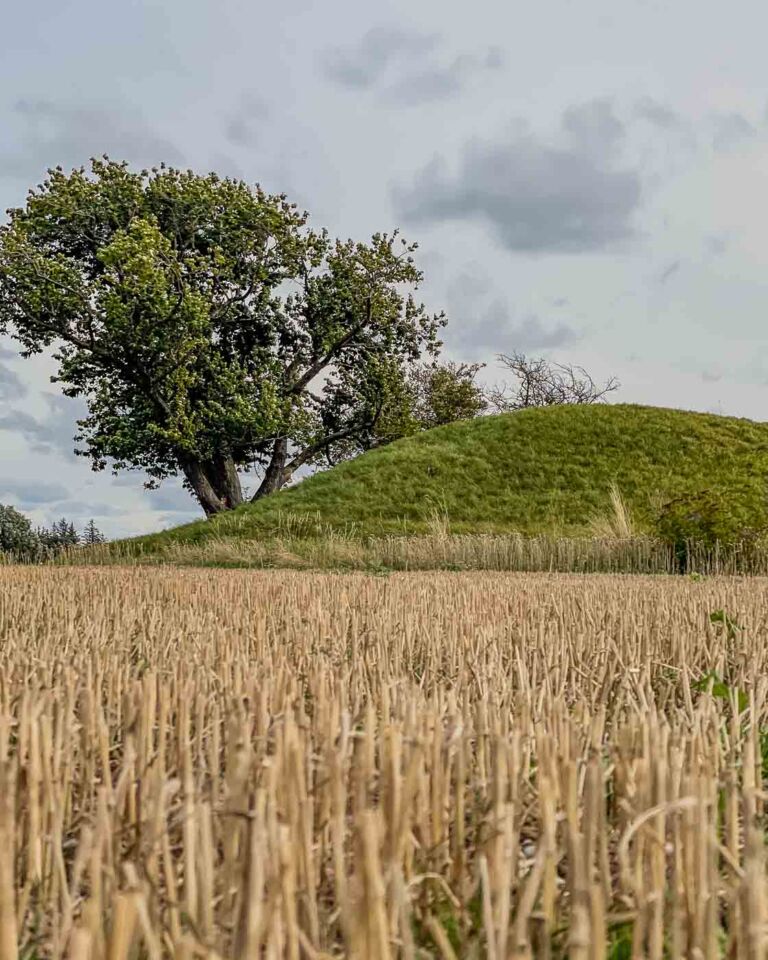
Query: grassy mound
{"points": [[546, 470]]}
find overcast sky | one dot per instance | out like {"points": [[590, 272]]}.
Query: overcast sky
{"points": [[586, 179]]}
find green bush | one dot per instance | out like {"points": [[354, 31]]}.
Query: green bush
{"points": [[711, 516], [17, 538]]}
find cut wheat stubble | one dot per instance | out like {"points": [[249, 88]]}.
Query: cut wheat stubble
{"points": [[231, 764]]}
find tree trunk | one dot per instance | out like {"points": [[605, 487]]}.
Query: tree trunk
{"points": [[276, 475], [209, 500], [225, 481]]}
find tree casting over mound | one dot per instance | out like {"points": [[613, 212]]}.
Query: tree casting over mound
{"points": [[208, 329], [211, 332]]}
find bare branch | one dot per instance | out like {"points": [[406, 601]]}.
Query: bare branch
{"points": [[541, 383], [321, 363]]}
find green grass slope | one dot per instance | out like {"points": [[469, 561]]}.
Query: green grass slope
{"points": [[538, 470]]}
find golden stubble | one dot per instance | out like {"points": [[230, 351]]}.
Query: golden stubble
{"points": [[202, 763]]}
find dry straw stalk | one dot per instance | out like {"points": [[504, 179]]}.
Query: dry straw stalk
{"points": [[211, 764]]}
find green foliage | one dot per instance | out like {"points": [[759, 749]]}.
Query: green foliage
{"points": [[721, 618], [17, 538], [620, 941], [60, 536], [764, 755], [207, 328], [726, 515], [445, 915], [20, 542], [128, 276], [546, 470], [714, 685], [92, 535], [429, 395], [445, 393]]}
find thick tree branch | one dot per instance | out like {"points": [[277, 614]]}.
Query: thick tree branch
{"points": [[321, 363], [318, 446]]}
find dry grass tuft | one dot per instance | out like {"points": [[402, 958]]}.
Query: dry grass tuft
{"points": [[618, 522], [443, 550]]}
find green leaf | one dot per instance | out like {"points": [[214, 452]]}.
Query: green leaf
{"points": [[713, 684]]}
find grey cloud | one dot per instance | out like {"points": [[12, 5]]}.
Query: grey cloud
{"points": [[11, 384], [52, 433], [366, 65], [658, 114], [362, 65], [535, 196], [31, 493], [171, 499], [469, 286], [55, 133], [716, 244], [669, 271], [441, 82], [85, 509], [494, 58], [7, 354], [481, 322], [730, 130], [244, 125], [593, 127], [494, 329], [711, 376], [227, 166], [431, 261], [530, 333], [130, 478]]}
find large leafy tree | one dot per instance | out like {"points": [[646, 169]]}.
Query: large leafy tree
{"points": [[208, 328]]}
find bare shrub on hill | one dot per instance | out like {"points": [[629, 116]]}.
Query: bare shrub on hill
{"points": [[538, 382]]}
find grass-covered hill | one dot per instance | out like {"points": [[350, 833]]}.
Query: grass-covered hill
{"points": [[546, 470]]}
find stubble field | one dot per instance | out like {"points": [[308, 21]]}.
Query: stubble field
{"points": [[232, 764]]}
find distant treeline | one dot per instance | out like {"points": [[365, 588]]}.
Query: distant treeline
{"points": [[20, 540]]}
